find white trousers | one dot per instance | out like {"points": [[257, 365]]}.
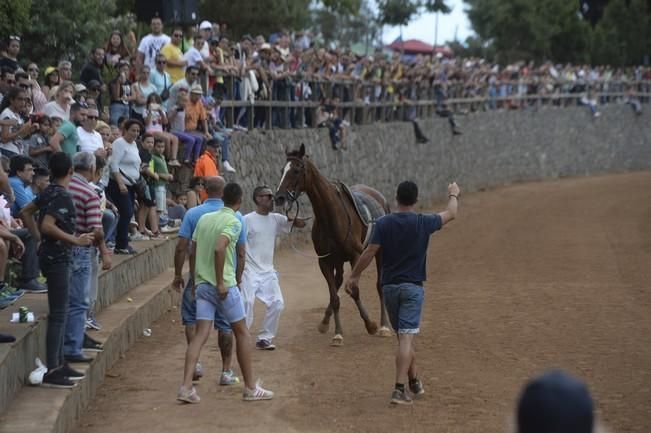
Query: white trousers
{"points": [[265, 287]]}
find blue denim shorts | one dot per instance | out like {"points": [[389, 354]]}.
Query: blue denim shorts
{"points": [[404, 303], [210, 305], [189, 311]]}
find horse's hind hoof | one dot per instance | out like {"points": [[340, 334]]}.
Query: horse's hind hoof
{"points": [[323, 327], [384, 332], [337, 341], [371, 328]]}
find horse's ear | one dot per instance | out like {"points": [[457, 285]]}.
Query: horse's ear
{"points": [[302, 150]]}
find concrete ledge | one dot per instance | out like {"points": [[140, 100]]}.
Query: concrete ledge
{"points": [[17, 359], [36, 409]]}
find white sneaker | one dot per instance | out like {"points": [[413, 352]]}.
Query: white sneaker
{"points": [[137, 236], [258, 393], [228, 167]]}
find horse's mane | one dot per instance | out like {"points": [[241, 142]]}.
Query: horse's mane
{"points": [[296, 154]]}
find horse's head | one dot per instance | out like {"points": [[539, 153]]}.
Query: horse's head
{"points": [[292, 181]]}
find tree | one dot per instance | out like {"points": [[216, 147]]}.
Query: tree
{"points": [[346, 29], [14, 16], [397, 12], [257, 17], [437, 7]]}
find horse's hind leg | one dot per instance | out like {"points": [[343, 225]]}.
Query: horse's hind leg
{"points": [[371, 326], [385, 326]]}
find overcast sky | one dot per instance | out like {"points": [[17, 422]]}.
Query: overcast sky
{"points": [[423, 27]]}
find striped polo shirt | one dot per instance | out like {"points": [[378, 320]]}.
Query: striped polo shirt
{"points": [[87, 207]]}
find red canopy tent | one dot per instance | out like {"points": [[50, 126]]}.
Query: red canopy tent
{"points": [[415, 46]]}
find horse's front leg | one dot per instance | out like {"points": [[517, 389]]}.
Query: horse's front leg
{"points": [[385, 326], [328, 270]]}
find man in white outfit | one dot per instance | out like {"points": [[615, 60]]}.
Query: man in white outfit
{"points": [[260, 279]]}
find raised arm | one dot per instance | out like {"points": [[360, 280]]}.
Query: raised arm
{"points": [[453, 203]]}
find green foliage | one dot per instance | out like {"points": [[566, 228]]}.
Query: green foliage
{"points": [[14, 16], [554, 30], [256, 17], [437, 6], [346, 29], [397, 12], [66, 29], [343, 6]]}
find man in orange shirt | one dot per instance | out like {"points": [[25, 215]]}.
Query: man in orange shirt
{"points": [[206, 165]]}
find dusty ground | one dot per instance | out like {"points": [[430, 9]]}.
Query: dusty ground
{"points": [[529, 277]]}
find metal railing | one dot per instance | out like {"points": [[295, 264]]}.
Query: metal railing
{"points": [[290, 106]]}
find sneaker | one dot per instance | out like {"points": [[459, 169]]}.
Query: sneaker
{"points": [[188, 395], [92, 345], [416, 387], [71, 373], [137, 236], [228, 378], [174, 163], [400, 397], [198, 372], [168, 229], [33, 286], [127, 251], [78, 359], [57, 379], [259, 393], [264, 345], [228, 167], [6, 338], [6, 300], [92, 323]]}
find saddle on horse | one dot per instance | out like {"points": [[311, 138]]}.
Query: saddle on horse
{"points": [[367, 207]]}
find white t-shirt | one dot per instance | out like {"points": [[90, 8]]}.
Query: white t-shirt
{"points": [[192, 56], [150, 45], [261, 232], [89, 141], [53, 109]]}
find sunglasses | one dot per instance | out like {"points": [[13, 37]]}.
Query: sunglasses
{"points": [[92, 117], [25, 86], [14, 38], [266, 195], [11, 82], [178, 35]]}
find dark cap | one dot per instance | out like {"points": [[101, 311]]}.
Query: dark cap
{"points": [[555, 402], [94, 85]]}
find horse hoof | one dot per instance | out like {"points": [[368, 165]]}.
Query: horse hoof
{"points": [[385, 332], [337, 341], [323, 327], [371, 328]]}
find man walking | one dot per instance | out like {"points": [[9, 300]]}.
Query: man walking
{"points": [[213, 244], [215, 189], [260, 279], [404, 237]]}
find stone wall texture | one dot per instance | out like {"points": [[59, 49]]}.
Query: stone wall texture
{"points": [[496, 148]]}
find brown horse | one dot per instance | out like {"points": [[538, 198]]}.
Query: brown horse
{"points": [[338, 233]]}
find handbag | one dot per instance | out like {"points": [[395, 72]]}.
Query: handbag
{"points": [[165, 94], [139, 186]]}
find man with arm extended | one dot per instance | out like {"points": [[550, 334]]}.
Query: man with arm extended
{"points": [[403, 238]]}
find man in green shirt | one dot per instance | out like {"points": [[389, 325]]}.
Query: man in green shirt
{"points": [[216, 292], [66, 138]]}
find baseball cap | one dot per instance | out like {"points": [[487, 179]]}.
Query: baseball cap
{"points": [[205, 25], [555, 402], [50, 69], [197, 89], [80, 88], [94, 84]]}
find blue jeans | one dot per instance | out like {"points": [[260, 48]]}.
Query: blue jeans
{"points": [[189, 311], [109, 224], [79, 300], [225, 142], [404, 303], [209, 305], [117, 110]]}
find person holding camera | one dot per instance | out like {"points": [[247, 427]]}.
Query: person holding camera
{"points": [[14, 128], [121, 94], [155, 119]]}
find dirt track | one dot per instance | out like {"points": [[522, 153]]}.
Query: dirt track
{"points": [[553, 274]]}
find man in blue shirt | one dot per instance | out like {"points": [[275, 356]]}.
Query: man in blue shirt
{"points": [[403, 238], [214, 187], [21, 173]]}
